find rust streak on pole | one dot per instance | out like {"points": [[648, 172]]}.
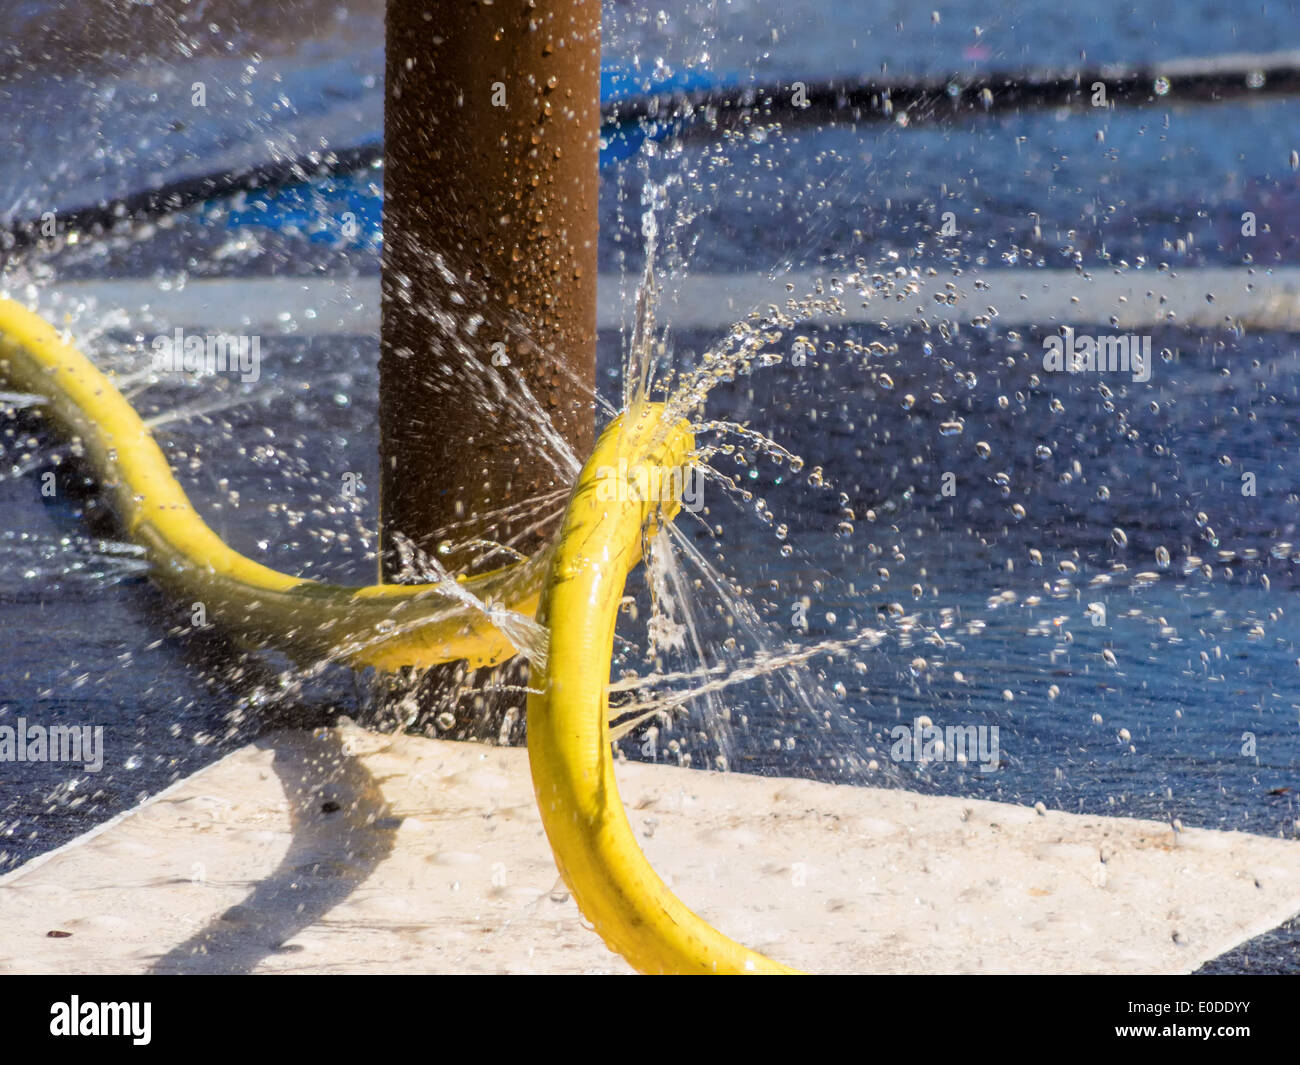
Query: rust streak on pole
{"points": [[492, 120]]}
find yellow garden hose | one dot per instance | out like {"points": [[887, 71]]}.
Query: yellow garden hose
{"points": [[574, 587], [382, 625], [568, 715]]}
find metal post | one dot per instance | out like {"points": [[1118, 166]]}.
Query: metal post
{"points": [[492, 120]]}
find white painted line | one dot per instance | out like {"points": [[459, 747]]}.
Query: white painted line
{"points": [[269, 305], [1200, 298]]}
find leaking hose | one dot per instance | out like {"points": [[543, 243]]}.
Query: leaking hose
{"points": [[574, 587], [386, 626], [569, 746]]}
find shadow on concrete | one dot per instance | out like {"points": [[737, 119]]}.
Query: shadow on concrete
{"points": [[341, 833]]}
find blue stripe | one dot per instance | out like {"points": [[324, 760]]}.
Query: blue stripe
{"points": [[346, 210]]}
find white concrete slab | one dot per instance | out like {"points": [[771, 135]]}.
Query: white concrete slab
{"points": [[346, 851]]}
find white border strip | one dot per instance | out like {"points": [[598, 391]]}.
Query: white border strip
{"points": [[1201, 298]]}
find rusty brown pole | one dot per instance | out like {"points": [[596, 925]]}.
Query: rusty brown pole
{"points": [[492, 119]]}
